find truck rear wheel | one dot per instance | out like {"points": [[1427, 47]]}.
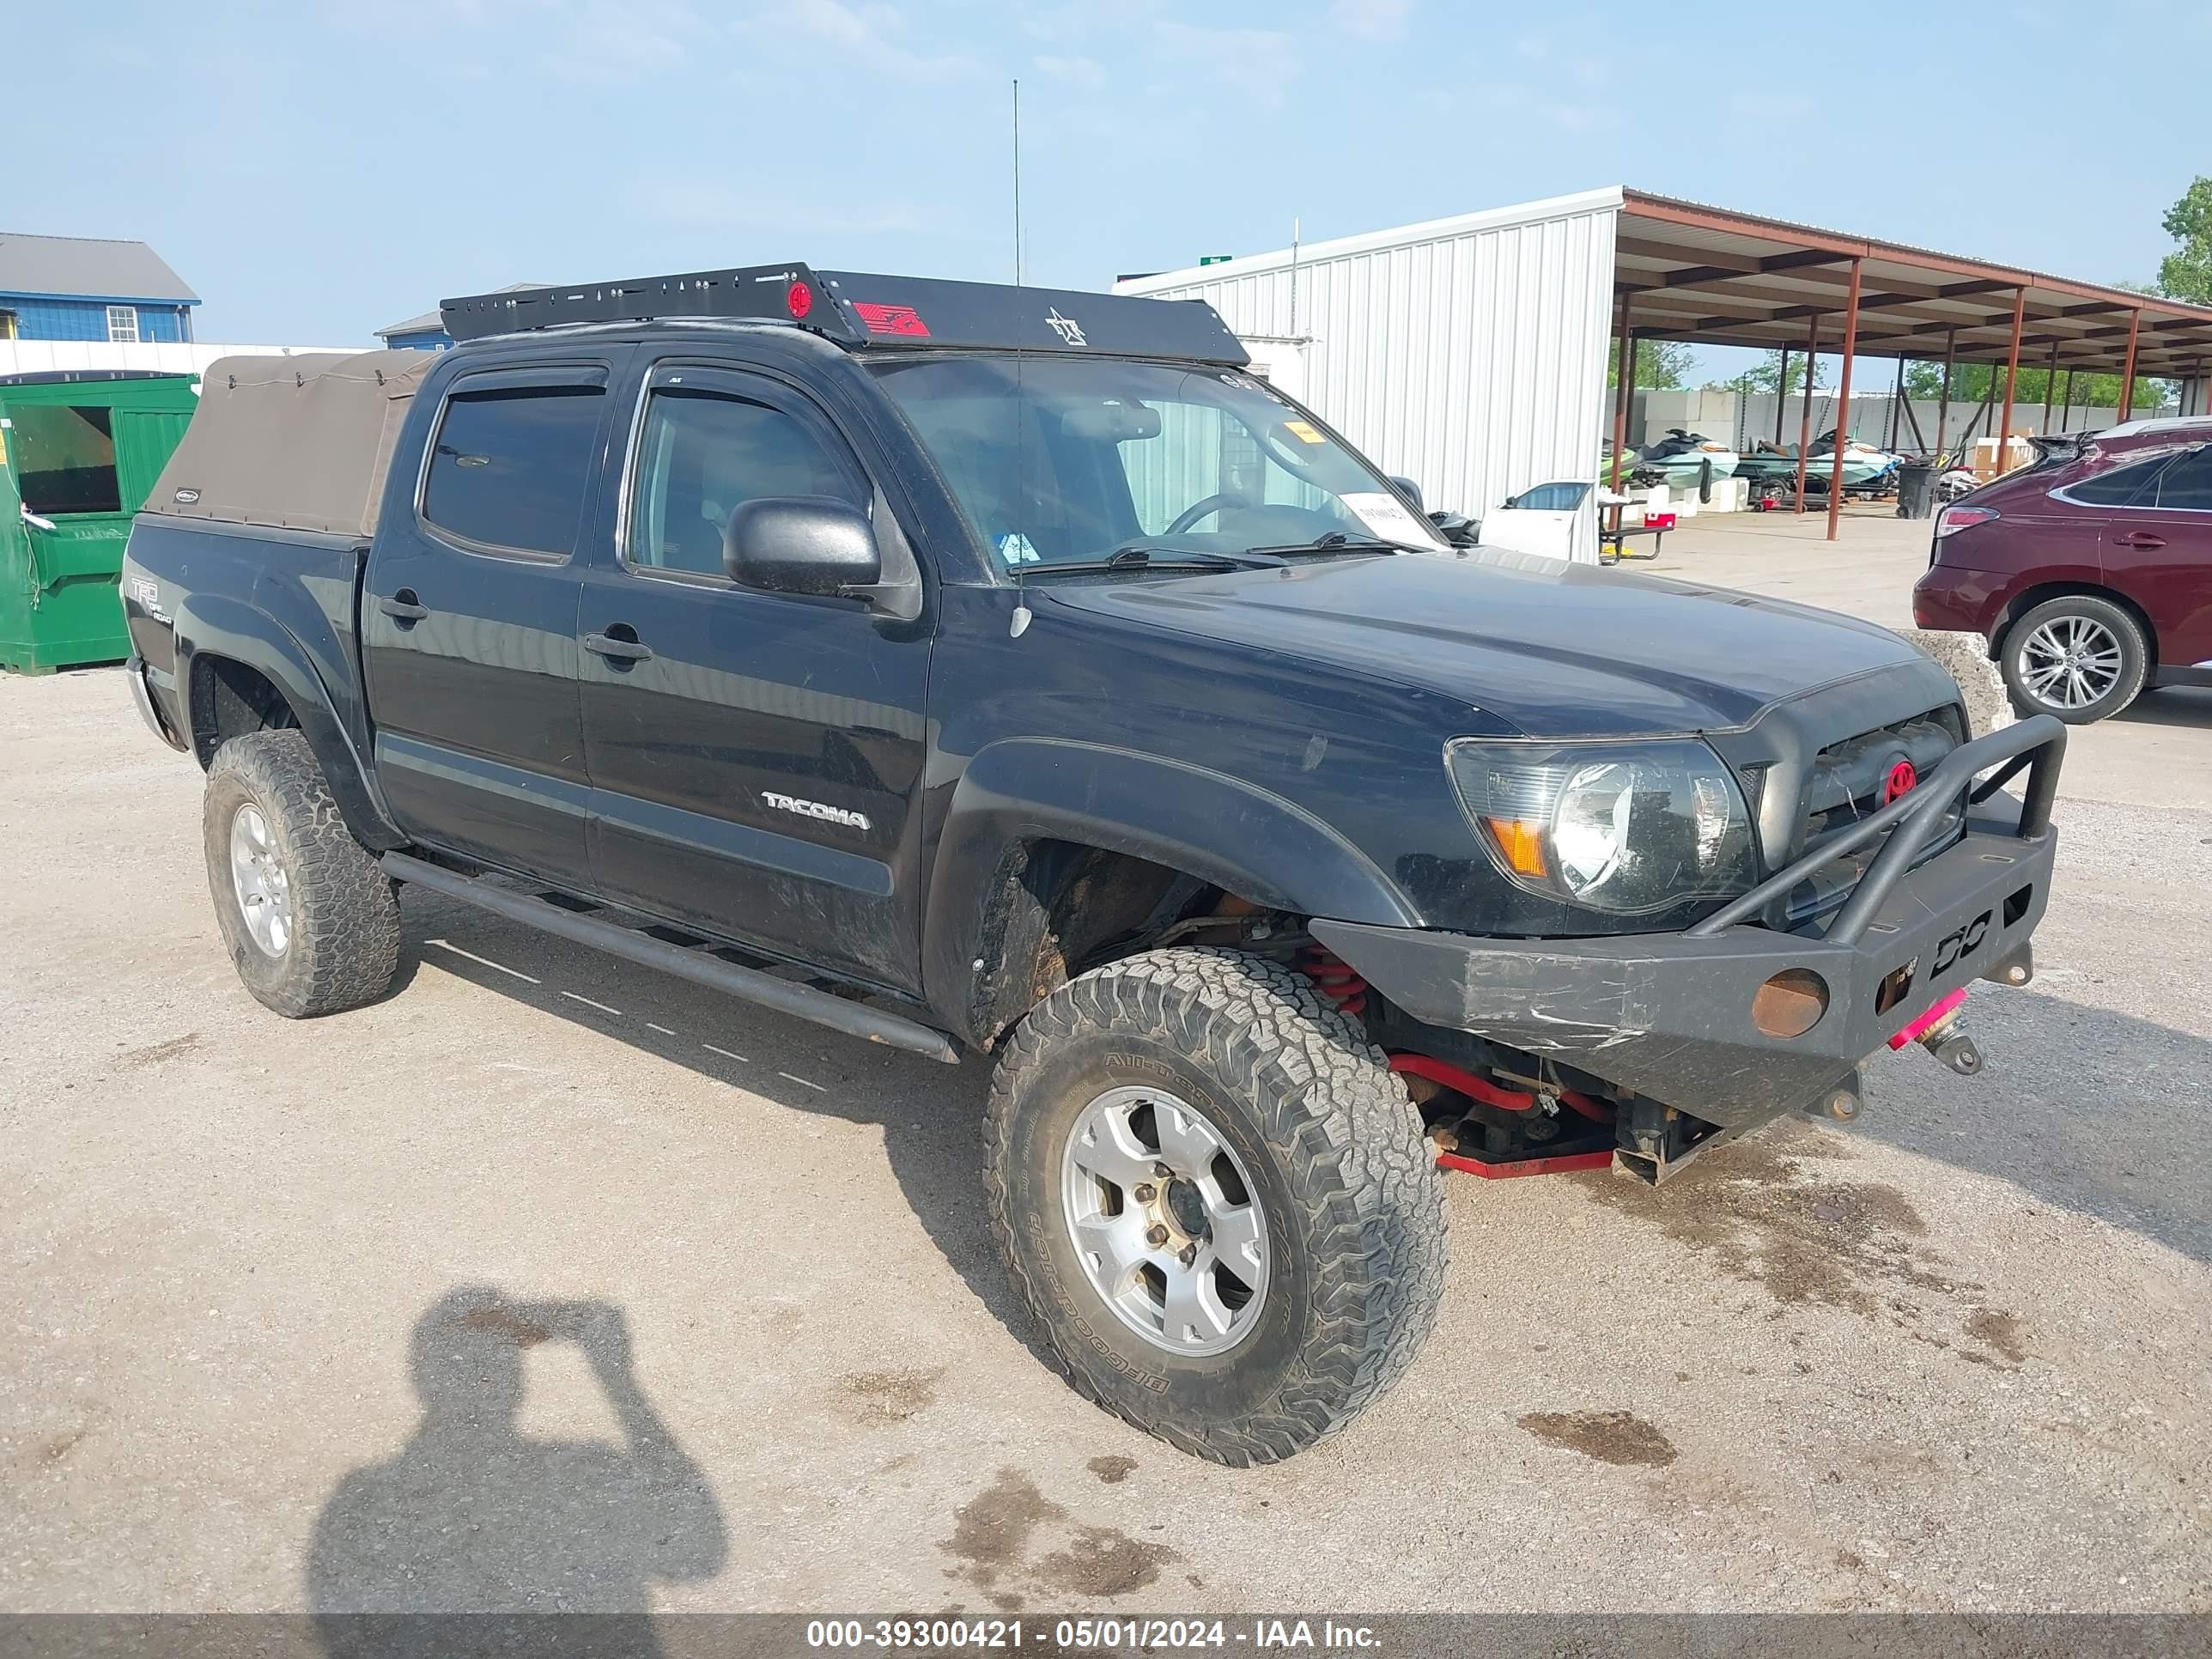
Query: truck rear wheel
{"points": [[1216, 1198], [310, 919]]}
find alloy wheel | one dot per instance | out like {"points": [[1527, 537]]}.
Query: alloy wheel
{"points": [[1166, 1221]]}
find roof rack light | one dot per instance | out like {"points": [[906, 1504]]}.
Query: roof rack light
{"points": [[856, 310], [785, 293]]}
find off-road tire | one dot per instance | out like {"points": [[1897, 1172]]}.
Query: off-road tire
{"points": [[1336, 1155], [2135, 657], [345, 947]]}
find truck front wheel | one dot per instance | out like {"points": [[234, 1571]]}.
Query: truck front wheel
{"points": [[1216, 1201], [310, 919]]}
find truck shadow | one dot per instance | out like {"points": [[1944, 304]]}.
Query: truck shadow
{"points": [[2080, 1108], [2088, 1109], [930, 1114], [473, 1517]]}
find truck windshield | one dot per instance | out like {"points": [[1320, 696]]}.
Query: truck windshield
{"points": [[1058, 461]]}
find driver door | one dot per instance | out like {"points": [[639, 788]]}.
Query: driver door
{"points": [[754, 757]]}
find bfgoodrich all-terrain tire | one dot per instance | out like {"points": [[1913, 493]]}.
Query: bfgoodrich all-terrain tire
{"points": [[1217, 1199], [311, 920]]}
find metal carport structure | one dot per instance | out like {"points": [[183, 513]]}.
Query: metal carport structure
{"points": [[1470, 352], [1708, 276]]}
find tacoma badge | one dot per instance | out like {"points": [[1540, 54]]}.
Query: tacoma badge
{"points": [[815, 809]]}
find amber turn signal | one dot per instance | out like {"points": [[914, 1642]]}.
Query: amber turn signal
{"points": [[1521, 842]]}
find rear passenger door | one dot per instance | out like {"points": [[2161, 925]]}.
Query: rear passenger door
{"points": [[2158, 553], [469, 618], [755, 757]]}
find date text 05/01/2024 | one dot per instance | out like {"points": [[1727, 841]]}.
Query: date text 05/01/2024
{"points": [[891, 1635]]}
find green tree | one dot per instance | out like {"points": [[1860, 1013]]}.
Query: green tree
{"points": [[1661, 365], [2186, 273], [1971, 383], [1764, 376]]}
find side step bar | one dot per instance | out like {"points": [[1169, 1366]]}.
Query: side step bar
{"points": [[749, 983]]}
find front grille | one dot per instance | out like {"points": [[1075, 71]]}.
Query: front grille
{"points": [[1846, 785]]}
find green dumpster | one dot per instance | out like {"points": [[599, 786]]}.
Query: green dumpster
{"points": [[79, 449]]}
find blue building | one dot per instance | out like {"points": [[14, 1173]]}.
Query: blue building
{"points": [[84, 288], [428, 331]]}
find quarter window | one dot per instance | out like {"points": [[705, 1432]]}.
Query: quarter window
{"points": [[703, 455], [123, 325], [511, 467], [2121, 487], [2186, 486]]}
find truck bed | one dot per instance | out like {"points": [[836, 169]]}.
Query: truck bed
{"points": [[192, 588]]}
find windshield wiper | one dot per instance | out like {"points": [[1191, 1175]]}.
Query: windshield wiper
{"points": [[1156, 555], [1336, 541]]}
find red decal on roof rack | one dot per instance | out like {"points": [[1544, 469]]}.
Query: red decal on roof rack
{"points": [[890, 319]]}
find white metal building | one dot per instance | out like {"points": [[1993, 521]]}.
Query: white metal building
{"points": [[1467, 354]]}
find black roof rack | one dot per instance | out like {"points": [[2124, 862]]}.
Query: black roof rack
{"points": [[864, 312]]}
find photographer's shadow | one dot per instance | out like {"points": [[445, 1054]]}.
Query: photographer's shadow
{"points": [[469, 1517]]}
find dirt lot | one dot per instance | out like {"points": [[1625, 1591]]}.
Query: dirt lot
{"points": [[599, 1287]]}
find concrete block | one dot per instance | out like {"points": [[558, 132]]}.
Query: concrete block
{"points": [[1965, 657]]}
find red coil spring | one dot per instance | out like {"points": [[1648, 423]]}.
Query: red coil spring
{"points": [[1335, 978], [1343, 985]]}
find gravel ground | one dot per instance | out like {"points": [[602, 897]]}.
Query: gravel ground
{"points": [[551, 1280]]}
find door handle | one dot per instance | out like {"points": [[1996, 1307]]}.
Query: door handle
{"points": [[2142, 539], [617, 650], [403, 607]]}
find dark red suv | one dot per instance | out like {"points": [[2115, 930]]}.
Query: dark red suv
{"points": [[2090, 572]]}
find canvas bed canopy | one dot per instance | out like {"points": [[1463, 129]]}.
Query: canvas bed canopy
{"points": [[294, 443]]}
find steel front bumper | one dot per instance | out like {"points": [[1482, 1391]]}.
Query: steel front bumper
{"points": [[1680, 1017]]}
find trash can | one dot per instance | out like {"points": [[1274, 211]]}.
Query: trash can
{"points": [[79, 449], [1915, 489]]}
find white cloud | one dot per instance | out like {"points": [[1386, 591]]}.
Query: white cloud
{"points": [[1530, 104], [1770, 106], [696, 205], [1372, 19], [1082, 71], [606, 42], [877, 38], [1260, 60]]}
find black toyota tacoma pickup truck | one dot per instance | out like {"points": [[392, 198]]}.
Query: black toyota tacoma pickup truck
{"points": [[1010, 669]]}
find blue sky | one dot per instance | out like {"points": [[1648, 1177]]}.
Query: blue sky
{"points": [[317, 169]]}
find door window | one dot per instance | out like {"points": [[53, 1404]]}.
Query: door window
{"points": [[65, 460], [1551, 498], [703, 455], [512, 466], [2186, 486]]}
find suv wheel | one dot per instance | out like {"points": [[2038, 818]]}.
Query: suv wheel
{"points": [[310, 918], [1216, 1198], [2077, 656]]}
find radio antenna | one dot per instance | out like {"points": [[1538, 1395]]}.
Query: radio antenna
{"points": [[1018, 542]]}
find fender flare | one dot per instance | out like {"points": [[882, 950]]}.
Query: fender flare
{"points": [[211, 625], [1226, 832]]}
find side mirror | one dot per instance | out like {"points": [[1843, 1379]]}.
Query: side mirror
{"points": [[803, 544], [1412, 492], [1457, 528], [1509, 503]]}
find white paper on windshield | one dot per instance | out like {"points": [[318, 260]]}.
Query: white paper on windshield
{"points": [[1390, 518]]}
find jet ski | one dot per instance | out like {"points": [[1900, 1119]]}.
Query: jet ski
{"points": [[1866, 470], [1683, 460]]}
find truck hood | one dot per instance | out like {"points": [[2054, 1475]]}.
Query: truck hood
{"points": [[1554, 649]]}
